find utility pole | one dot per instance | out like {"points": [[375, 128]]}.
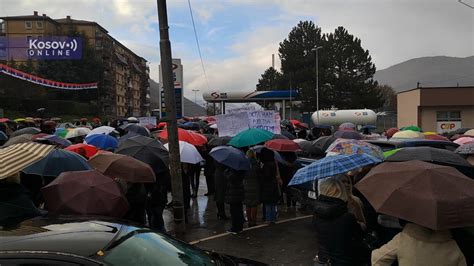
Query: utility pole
{"points": [[168, 85], [315, 49]]}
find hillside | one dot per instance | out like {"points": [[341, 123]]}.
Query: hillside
{"points": [[429, 71]]}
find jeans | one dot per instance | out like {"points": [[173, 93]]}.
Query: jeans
{"points": [[237, 216], [270, 212]]}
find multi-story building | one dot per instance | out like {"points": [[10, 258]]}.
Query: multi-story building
{"points": [[124, 87]]}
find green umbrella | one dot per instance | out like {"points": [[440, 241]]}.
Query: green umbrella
{"points": [[413, 128], [251, 136], [390, 152]]}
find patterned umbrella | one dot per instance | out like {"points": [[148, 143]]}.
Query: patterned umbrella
{"points": [[331, 166], [352, 146], [250, 137], [16, 157], [467, 148]]}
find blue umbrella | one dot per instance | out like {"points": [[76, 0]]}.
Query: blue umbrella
{"points": [[56, 162], [331, 166], [230, 157], [104, 142]]}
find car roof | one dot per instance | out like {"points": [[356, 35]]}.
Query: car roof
{"points": [[83, 236]]}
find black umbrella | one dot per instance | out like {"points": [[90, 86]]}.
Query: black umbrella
{"points": [[17, 140], [433, 155], [288, 134], [26, 130], [279, 136], [147, 150], [219, 141], [137, 129], [56, 162], [347, 135], [310, 148], [324, 142]]}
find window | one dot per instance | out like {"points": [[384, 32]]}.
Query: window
{"points": [[28, 25], [39, 25], [448, 116]]}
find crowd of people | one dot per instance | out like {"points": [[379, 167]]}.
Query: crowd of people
{"points": [[349, 230]]}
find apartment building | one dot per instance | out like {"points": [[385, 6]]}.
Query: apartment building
{"points": [[124, 88]]}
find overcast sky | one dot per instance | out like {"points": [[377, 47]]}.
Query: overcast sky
{"points": [[238, 37]]}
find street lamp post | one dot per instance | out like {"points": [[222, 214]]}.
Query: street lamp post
{"points": [[195, 91], [315, 49]]}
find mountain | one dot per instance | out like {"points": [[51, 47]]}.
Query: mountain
{"points": [[429, 71], [190, 108]]}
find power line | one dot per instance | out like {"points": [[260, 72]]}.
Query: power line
{"points": [[198, 46]]}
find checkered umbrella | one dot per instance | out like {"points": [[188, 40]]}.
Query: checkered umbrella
{"points": [[331, 166]]}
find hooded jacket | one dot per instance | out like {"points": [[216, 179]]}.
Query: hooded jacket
{"points": [[417, 245], [337, 230]]}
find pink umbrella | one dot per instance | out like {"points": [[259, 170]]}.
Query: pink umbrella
{"points": [[464, 140]]}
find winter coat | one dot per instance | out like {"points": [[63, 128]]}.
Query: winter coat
{"points": [[136, 196], [235, 186], [339, 234], [270, 189], [15, 204], [252, 183], [417, 245], [219, 183]]}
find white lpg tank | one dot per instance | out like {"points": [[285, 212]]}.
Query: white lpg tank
{"points": [[337, 117]]}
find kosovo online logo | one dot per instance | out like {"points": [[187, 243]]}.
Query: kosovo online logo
{"points": [[54, 48]]}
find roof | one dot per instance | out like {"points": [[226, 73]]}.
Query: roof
{"points": [[433, 88], [29, 17], [80, 22]]}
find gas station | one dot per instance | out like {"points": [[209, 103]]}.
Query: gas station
{"points": [[270, 100]]}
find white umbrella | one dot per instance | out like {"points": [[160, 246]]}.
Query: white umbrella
{"points": [[299, 140], [77, 132], [101, 130], [188, 153]]}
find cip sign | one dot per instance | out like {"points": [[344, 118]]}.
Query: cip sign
{"points": [[447, 126]]}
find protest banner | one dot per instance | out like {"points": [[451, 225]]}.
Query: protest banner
{"points": [[267, 120], [231, 124], [144, 121]]}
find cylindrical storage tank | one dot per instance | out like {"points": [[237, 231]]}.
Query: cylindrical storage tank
{"points": [[337, 117]]}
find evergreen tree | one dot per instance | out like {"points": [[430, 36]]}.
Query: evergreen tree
{"points": [[351, 72], [271, 80], [389, 97]]}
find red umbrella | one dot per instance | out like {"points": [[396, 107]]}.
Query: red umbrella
{"points": [[299, 124], [161, 125], [39, 136], [282, 145], [4, 120], [190, 137], [85, 150], [435, 137], [391, 131], [84, 193]]}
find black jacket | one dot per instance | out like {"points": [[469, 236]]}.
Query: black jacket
{"points": [[220, 183], [235, 186], [15, 205], [339, 234], [270, 190]]}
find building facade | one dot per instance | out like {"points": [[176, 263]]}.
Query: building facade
{"points": [[437, 109], [124, 86]]}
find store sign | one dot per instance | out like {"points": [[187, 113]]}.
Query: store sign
{"points": [[178, 89], [41, 48], [447, 126]]}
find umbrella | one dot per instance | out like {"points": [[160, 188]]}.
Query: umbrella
{"points": [[352, 146], [408, 134], [467, 148], [322, 126], [278, 158], [369, 127], [331, 166], [147, 150], [299, 140], [16, 157], [61, 132], [219, 141], [124, 167], [280, 136], [26, 130], [230, 157], [77, 132], [432, 155], [435, 137], [137, 129], [38, 136], [284, 145], [56, 162], [17, 140], [54, 140], [250, 137], [86, 150], [188, 153], [287, 134], [324, 142], [101, 130], [4, 120], [347, 135], [311, 147], [299, 124], [464, 140], [104, 142], [347, 127], [457, 136], [84, 193], [185, 135], [412, 128], [434, 196], [3, 136], [391, 131]]}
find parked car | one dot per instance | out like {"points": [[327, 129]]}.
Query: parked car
{"points": [[99, 241]]}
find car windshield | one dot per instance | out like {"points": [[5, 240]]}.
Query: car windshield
{"points": [[144, 247]]}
